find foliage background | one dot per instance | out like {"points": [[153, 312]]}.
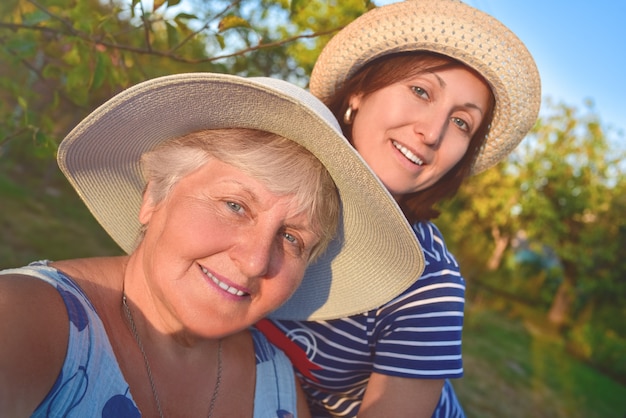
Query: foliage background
{"points": [[541, 238]]}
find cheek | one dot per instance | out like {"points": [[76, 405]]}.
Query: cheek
{"points": [[282, 286], [454, 154], [460, 153], [193, 235], [363, 142], [364, 126]]}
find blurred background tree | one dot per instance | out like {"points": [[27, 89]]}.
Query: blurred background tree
{"points": [[61, 58], [541, 237], [545, 229]]}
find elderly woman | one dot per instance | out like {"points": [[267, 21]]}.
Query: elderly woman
{"points": [[244, 184]]}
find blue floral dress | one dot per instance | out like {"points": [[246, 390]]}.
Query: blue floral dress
{"points": [[91, 383]]}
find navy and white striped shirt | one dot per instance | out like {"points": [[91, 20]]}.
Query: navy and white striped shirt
{"points": [[416, 335]]}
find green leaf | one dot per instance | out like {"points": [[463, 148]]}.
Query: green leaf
{"points": [[22, 47], [72, 57], [7, 7], [158, 4], [230, 22], [220, 39], [184, 16], [172, 35], [35, 17], [52, 72], [100, 71], [296, 5], [77, 84], [22, 102]]}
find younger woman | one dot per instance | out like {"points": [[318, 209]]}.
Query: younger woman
{"points": [[429, 92]]}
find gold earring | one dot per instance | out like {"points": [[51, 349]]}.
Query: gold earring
{"points": [[348, 117]]}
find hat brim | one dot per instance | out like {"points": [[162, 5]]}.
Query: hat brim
{"points": [[454, 29], [376, 255]]}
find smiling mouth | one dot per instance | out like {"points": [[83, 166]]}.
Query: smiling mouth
{"points": [[224, 286], [407, 153]]}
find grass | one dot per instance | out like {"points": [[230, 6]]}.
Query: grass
{"points": [[515, 369], [46, 222]]}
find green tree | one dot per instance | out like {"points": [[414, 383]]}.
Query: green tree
{"points": [[561, 191], [61, 58], [568, 177]]}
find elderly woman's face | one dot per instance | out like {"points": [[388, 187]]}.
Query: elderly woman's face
{"points": [[222, 251]]}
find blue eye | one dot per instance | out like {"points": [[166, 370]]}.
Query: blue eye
{"points": [[461, 124], [419, 91], [235, 207], [293, 246], [290, 237]]}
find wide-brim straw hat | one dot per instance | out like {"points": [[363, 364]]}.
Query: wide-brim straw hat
{"points": [[375, 256], [451, 28]]}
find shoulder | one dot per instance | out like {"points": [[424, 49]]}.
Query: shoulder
{"points": [[270, 358], [34, 330], [275, 379], [264, 350], [31, 302], [428, 234], [436, 253], [441, 285]]}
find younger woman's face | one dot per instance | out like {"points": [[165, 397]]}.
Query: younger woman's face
{"points": [[413, 132]]}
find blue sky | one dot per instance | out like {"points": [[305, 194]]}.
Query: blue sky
{"points": [[579, 47]]}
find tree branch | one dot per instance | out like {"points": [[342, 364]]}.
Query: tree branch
{"points": [[205, 26], [36, 71], [164, 54], [65, 22]]}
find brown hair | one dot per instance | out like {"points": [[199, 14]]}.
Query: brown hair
{"points": [[391, 69]]}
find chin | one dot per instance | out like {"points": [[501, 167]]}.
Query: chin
{"points": [[398, 192]]}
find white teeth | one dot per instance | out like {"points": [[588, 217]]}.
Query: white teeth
{"points": [[223, 285], [407, 153]]}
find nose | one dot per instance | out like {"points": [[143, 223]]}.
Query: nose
{"points": [[254, 253], [431, 128]]}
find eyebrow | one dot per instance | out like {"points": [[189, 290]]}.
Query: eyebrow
{"points": [[254, 197], [442, 83], [473, 106], [245, 188]]}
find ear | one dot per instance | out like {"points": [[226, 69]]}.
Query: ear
{"points": [[147, 205], [355, 101]]}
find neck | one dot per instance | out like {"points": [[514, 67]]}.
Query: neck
{"points": [[167, 368]]}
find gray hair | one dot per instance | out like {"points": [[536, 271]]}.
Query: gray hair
{"points": [[282, 165]]}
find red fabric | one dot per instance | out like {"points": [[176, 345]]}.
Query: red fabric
{"points": [[296, 355]]}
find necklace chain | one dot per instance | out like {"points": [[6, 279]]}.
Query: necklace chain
{"points": [[155, 394]]}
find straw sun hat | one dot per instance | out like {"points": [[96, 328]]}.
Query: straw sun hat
{"points": [[379, 257], [451, 28]]}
